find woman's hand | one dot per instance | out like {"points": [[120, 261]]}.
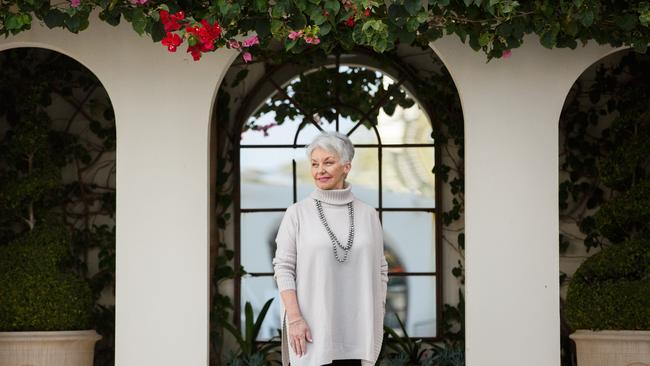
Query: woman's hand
{"points": [[299, 335]]}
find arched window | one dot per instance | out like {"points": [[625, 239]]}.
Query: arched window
{"points": [[391, 170]]}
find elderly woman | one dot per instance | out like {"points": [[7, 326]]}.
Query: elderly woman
{"points": [[330, 267]]}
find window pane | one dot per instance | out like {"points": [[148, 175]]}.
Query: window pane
{"points": [[409, 241], [258, 290], [280, 134], [407, 178], [308, 132], [362, 135], [364, 176], [258, 231], [413, 299], [409, 125], [266, 177]]}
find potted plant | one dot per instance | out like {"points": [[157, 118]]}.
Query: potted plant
{"points": [[608, 302], [45, 308], [608, 298]]}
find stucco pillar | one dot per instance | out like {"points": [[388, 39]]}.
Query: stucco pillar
{"points": [[163, 104], [511, 109]]}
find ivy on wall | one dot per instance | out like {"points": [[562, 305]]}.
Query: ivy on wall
{"points": [[494, 27]]}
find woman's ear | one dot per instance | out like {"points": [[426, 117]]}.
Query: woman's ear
{"points": [[347, 167]]}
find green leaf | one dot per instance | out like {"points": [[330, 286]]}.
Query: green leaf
{"points": [[412, 6], [13, 22], [587, 18], [468, 2], [406, 38], [260, 318], [157, 32], [316, 15], [290, 44], [263, 28], [644, 18], [277, 11], [54, 18], [412, 24], [277, 29], [138, 21], [324, 29], [627, 22], [332, 6], [548, 39], [72, 23], [261, 5], [485, 39]]}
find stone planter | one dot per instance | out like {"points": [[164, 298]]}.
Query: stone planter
{"points": [[65, 348], [612, 347]]}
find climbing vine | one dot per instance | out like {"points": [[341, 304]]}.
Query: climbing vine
{"points": [[494, 27]]}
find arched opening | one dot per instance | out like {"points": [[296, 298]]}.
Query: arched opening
{"points": [[604, 171], [57, 167], [402, 113]]}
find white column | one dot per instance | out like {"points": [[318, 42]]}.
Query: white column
{"points": [[163, 104], [511, 109]]}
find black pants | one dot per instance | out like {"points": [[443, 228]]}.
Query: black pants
{"points": [[344, 363]]}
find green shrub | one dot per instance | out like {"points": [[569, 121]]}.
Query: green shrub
{"points": [[611, 289], [36, 294]]}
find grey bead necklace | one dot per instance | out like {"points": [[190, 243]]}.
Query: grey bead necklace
{"points": [[335, 241]]}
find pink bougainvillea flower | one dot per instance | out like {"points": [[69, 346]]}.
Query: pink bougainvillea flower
{"points": [[350, 22], [312, 40], [295, 35], [172, 41], [366, 12], [506, 53], [138, 2], [247, 57], [266, 127], [75, 3], [234, 44], [251, 41]]}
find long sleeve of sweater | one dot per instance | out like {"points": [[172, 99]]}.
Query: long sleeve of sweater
{"points": [[383, 264], [284, 262]]}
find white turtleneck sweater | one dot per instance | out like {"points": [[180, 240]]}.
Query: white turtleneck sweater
{"points": [[343, 303]]}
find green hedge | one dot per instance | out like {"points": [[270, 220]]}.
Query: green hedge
{"points": [[611, 289], [36, 294]]}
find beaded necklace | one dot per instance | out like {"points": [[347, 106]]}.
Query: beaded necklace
{"points": [[335, 241]]}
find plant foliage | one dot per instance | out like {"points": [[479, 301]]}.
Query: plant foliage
{"points": [[49, 169], [36, 293], [250, 352], [608, 146], [491, 26]]}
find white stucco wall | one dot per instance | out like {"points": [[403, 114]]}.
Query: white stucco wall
{"points": [[163, 105], [511, 109]]}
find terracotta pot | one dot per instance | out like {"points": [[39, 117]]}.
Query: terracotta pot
{"points": [[61, 348], [612, 347]]}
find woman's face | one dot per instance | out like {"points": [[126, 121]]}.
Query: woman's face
{"points": [[327, 170]]}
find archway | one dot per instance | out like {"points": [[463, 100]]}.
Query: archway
{"points": [[604, 157], [48, 94], [251, 90]]}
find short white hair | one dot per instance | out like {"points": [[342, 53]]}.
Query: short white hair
{"points": [[333, 141]]}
